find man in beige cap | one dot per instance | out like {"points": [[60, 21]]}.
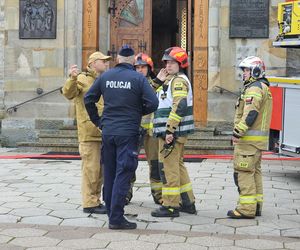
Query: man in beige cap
{"points": [[89, 136]]}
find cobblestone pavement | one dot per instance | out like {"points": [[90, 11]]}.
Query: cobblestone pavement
{"points": [[40, 209]]}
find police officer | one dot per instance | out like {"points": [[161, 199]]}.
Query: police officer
{"points": [[127, 96], [144, 64], [173, 121], [89, 136], [250, 137]]}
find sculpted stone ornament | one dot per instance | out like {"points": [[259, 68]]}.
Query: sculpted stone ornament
{"points": [[37, 19]]}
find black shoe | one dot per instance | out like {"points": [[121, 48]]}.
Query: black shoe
{"points": [[234, 214], [165, 212], [101, 209], [191, 209], [124, 225]]}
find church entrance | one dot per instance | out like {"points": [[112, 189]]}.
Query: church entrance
{"points": [[150, 26]]}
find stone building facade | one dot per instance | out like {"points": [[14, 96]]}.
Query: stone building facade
{"points": [[31, 66]]}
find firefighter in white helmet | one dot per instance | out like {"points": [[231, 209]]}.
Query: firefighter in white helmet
{"points": [[251, 137]]}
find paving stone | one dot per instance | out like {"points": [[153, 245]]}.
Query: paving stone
{"points": [[4, 210], [293, 245], [210, 241], [21, 204], [45, 220], [259, 244], [70, 234], [14, 199], [294, 218], [148, 218], [181, 246], [132, 245], [30, 212], [50, 199], [168, 226], [194, 220], [236, 223], [4, 238], [35, 242], [39, 194], [23, 232], [83, 243], [59, 206], [9, 193], [278, 223], [9, 218], [258, 230], [294, 232], [213, 228], [115, 236], [48, 248], [162, 238], [229, 248], [83, 222], [68, 214], [10, 247]]}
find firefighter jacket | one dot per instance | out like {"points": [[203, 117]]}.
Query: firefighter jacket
{"points": [[175, 110], [253, 114], [147, 120], [75, 89]]}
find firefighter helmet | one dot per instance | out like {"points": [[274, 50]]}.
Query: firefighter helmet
{"points": [[176, 54], [143, 59], [256, 66]]}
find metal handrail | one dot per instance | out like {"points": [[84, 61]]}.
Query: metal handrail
{"points": [[223, 89], [15, 107]]}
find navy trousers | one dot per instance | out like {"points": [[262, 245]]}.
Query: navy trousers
{"points": [[120, 160]]}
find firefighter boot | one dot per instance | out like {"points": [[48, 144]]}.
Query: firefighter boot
{"points": [[234, 214], [258, 209], [190, 209], [165, 212]]}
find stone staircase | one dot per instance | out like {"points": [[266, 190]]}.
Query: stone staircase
{"points": [[203, 141]]}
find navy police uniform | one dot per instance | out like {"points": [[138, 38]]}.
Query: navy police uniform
{"points": [[127, 96]]}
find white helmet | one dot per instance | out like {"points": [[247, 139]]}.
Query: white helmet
{"points": [[255, 64]]}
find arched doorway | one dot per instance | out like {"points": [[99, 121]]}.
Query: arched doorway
{"points": [[151, 26]]}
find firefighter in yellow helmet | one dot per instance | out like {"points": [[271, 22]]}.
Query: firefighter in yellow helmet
{"points": [[173, 121], [144, 64], [251, 137], [89, 136]]}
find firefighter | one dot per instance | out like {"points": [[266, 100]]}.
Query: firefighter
{"points": [[173, 121], [89, 136], [250, 138], [144, 64]]}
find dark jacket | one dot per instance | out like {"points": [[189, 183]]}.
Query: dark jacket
{"points": [[127, 96]]}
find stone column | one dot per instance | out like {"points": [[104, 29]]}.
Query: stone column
{"points": [[2, 40], [73, 33], [200, 78]]}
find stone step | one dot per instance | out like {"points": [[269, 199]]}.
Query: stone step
{"points": [[209, 131], [54, 138], [47, 147], [206, 149], [210, 140], [66, 132], [73, 147]]}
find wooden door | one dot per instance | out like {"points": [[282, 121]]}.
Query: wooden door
{"points": [[130, 23]]}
